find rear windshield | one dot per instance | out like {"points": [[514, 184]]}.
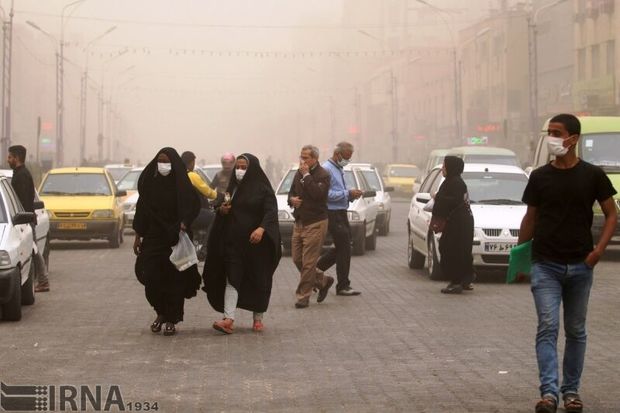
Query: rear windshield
{"points": [[129, 181], [76, 184], [404, 172], [493, 159], [601, 149]]}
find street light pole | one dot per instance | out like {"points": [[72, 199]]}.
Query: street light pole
{"points": [[532, 22], [7, 35], [84, 96]]}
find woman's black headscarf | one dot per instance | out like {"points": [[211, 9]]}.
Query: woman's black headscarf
{"points": [[452, 192], [454, 166], [188, 202], [253, 204]]}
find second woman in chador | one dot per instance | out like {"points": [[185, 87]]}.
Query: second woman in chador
{"points": [[244, 246]]}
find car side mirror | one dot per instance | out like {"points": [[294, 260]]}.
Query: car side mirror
{"points": [[388, 189], [23, 218], [39, 205], [121, 193], [370, 194], [423, 198]]}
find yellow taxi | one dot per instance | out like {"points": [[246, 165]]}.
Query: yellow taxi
{"points": [[401, 177], [84, 204]]}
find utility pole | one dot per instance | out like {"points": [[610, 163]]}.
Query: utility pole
{"points": [[7, 53], [394, 98], [358, 121]]}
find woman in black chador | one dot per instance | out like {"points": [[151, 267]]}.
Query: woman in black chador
{"points": [[452, 207], [244, 246], [167, 204]]}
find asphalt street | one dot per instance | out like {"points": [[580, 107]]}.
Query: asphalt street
{"points": [[400, 346]]}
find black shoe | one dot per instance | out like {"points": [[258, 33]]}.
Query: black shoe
{"points": [[156, 326], [329, 281], [348, 292], [303, 303], [468, 287], [169, 329], [452, 289]]}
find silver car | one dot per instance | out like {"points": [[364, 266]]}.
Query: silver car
{"points": [[382, 199]]}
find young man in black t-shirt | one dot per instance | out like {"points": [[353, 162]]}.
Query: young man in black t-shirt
{"points": [[560, 196]]}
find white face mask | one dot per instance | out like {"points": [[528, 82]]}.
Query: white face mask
{"points": [[556, 146], [343, 162], [164, 169], [240, 173]]}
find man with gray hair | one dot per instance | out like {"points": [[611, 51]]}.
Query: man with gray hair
{"points": [[338, 199], [308, 195]]}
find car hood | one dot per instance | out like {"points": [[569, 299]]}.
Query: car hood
{"points": [[498, 216], [74, 203], [283, 203], [132, 199]]}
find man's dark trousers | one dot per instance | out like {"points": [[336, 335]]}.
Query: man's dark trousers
{"points": [[338, 228]]}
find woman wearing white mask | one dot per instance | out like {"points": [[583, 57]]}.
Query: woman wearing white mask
{"points": [[244, 246], [167, 204]]}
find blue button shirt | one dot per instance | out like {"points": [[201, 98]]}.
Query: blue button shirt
{"points": [[338, 194]]}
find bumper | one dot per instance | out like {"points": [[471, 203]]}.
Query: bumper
{"points": [[7, 283], [496, 257], [129, 219], [82, 230]]}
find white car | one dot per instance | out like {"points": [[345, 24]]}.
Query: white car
{"points": [[43, 221], [129, 210], [362, 213], [382, 199], [495, 193], [16, 252], [118, 171], [210, 170], [129, 182]]}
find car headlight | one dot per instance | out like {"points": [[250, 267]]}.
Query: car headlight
{"points": [[103, 213], [284, 215], [353, 216], [5, 258], [129, 207]]}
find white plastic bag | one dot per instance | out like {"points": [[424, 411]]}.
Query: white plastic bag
{"points": [[184, 253]]}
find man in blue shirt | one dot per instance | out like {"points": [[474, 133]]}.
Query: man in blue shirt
{"points": [[338, 199]]}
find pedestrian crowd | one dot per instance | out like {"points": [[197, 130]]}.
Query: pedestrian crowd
{"points": [[243, 245]]}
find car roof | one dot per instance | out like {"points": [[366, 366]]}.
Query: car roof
{"points": [[594, 124], [490, 167], [481, 150], [81, 170], [401, 165], [438, 152], [211, 165], [8, 173], [118, 165]]}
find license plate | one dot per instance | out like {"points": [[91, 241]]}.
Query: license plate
{"points": [[499, 246], [71, 225]]}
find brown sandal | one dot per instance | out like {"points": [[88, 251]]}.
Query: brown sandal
{"points": [[572, 403], [548, 404]]}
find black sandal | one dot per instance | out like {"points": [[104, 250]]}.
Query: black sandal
{"points": [[156, 326], [170, 329], [572, 403], [548, 404]]}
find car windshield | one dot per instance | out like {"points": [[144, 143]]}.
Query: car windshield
{"points": [[404, 172], [601, 149], [129, 181], [210, 171], [76, 184], [117, 173], [494, 159], [373, 180], [495, 188], [285, 186]]}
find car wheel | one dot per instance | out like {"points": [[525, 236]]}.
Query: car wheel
{"points": [[387, 224], [116, 239], [382, 226], [12, 310], [28, 287], [434, 270], [359, 244], [371, 242], [122, 235], [415, 259]]}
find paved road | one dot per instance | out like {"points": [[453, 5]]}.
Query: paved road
{"points": [[401, 346]]}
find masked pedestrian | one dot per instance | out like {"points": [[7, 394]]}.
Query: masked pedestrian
{"points": [[168, 204], [244, 246]]}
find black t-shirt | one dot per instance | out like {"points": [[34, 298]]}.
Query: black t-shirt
{"points": [[24, 187], [564, 199]]}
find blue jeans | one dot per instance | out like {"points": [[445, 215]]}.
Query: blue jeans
{"points": [[551, 284]]}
